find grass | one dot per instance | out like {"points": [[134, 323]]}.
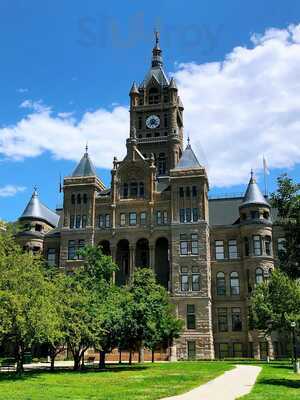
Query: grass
{"points": [[136, 382], [276, 381]]}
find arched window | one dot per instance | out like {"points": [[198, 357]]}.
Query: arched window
{"points": [[234, 284], [78, 199], [259, 275], [221, 284]]}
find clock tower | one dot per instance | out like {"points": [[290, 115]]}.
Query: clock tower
{"points": [[156, 115]]}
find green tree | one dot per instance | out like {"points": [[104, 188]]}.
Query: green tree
{"points": [[287, 201], [275, 303], [26, 308]]}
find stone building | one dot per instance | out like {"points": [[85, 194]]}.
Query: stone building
{"points": [[209, 253]]}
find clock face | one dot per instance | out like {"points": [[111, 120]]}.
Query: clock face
{"points": [[152, 122]]}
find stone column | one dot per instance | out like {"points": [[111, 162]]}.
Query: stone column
{"points": [[152, 255], [131, 260]]}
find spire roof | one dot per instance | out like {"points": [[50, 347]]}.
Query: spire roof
{"points": [[134, 88], [156, 71], [188, 159], [172, 84], [35, 209], [253, 194], [85, 166]]}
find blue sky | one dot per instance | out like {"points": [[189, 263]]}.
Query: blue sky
{"points": [[76, 58]]}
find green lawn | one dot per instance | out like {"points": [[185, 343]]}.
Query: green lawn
{"points": [[116, 383], [276, 381]]}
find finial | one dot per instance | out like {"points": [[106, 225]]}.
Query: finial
{"points": [[188, 140], [156, 33], [35, 190], [86, 147]]}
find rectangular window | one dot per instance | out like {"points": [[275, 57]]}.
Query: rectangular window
{"points": [[83, 223], [158, 218], [221, 284], [166, 120], [72, 250], [190, 316], [101, 221], [191, 348], [78, 221], [223, 350], [281, 245], [237, 350], [51, 257], [132, 218], [232, 249], [122, 219], [194, 244], [222, 320], [181, 192], [165, 217], [236, 319], [219, 246], [195, 279], [184, 281], [133, 189], [194, 191], [188, 191], [195, 214], [257, 245], [188, 216], [80, 246], [182, 215], [254, 214], [140, 122], [107, 220], [184, 247], [268, 245], [72, 221], [143, 218]]}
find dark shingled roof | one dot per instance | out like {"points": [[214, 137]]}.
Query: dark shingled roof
{"points": [[224, 211], [35, 209], [253, 194], [188, 159], [85, 167]]}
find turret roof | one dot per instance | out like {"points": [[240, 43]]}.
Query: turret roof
{"points": [[253, 194], [85, 166], [188, 159]]}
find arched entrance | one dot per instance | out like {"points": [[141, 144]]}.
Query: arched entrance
{"points": [[122, 259], [142, 253], [162, 266], [105, 247]]}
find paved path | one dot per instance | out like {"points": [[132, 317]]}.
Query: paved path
{"points": [[229, 386]]}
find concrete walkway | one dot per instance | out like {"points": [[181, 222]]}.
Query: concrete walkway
{"points": [[229, 386]]}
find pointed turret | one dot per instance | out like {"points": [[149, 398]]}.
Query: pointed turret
{"points": [[134, 89], [253, 194], [85, 166], [188, 159], [36, 210], [172, 84]]}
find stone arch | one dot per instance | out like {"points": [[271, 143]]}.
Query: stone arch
{"points": [[105, 247], [123, 262], [162, 265], [142, 253]]}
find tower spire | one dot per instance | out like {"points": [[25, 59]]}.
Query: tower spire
{"points": [[156, 52]]}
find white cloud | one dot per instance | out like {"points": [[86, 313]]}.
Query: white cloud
{"points": [[22, 90], [11, 190], [236, 110]]}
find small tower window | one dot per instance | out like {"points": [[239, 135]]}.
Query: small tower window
{"points": [[85, 198], [133, 189], [125, 190], [140, 123], [194, 191], [188, 191], [154, 97], [142, 189], [78, 199], [73, 199], [259, 276], [234, 284]]}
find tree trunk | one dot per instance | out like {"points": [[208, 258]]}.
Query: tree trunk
{"points": [[102, 359], [20, 359], [82, 360], [152, 356], [130, 357], [120, 356], [52, 356], [141, 353], [77, 359]]}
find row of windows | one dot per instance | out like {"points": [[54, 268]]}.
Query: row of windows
{"points": [[259, 244], [255, 215], [190, 281], [220, 249], [77, 199], [237, 350], [188, 191], [132, 219], [73, 247], [236, 319], [104, 220], [78, 221], [234, 284], [189, 244], [133, 190], [187, 215]]}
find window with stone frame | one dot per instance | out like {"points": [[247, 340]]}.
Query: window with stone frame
{"points": [[236, 319], [268, 245], [158, 217], [107, 220], [232, 249], [51, 257], [190, 316], [237, 349], [189, 244], [165, 217], [143, 218], [259, 275], [83, 221], [223, 350], [281, 245], [219, 250], [247, 247], [153, 96], [141, 189], [132, 218], [72, 221], [221, 284], [234, 283], [125, 191], [194, 244], [184, 279], [182, 215], [194, 191], [73, 247], [195, 214], [184, 245], [257, 250], [78, 221], [122, 219], [73, 199], [101, 221], [196, 279], [133, 189], [222, 319], [84, 198]]}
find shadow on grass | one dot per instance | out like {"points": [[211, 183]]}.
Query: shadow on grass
{"points": [[289, 383], [13, 376]]}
